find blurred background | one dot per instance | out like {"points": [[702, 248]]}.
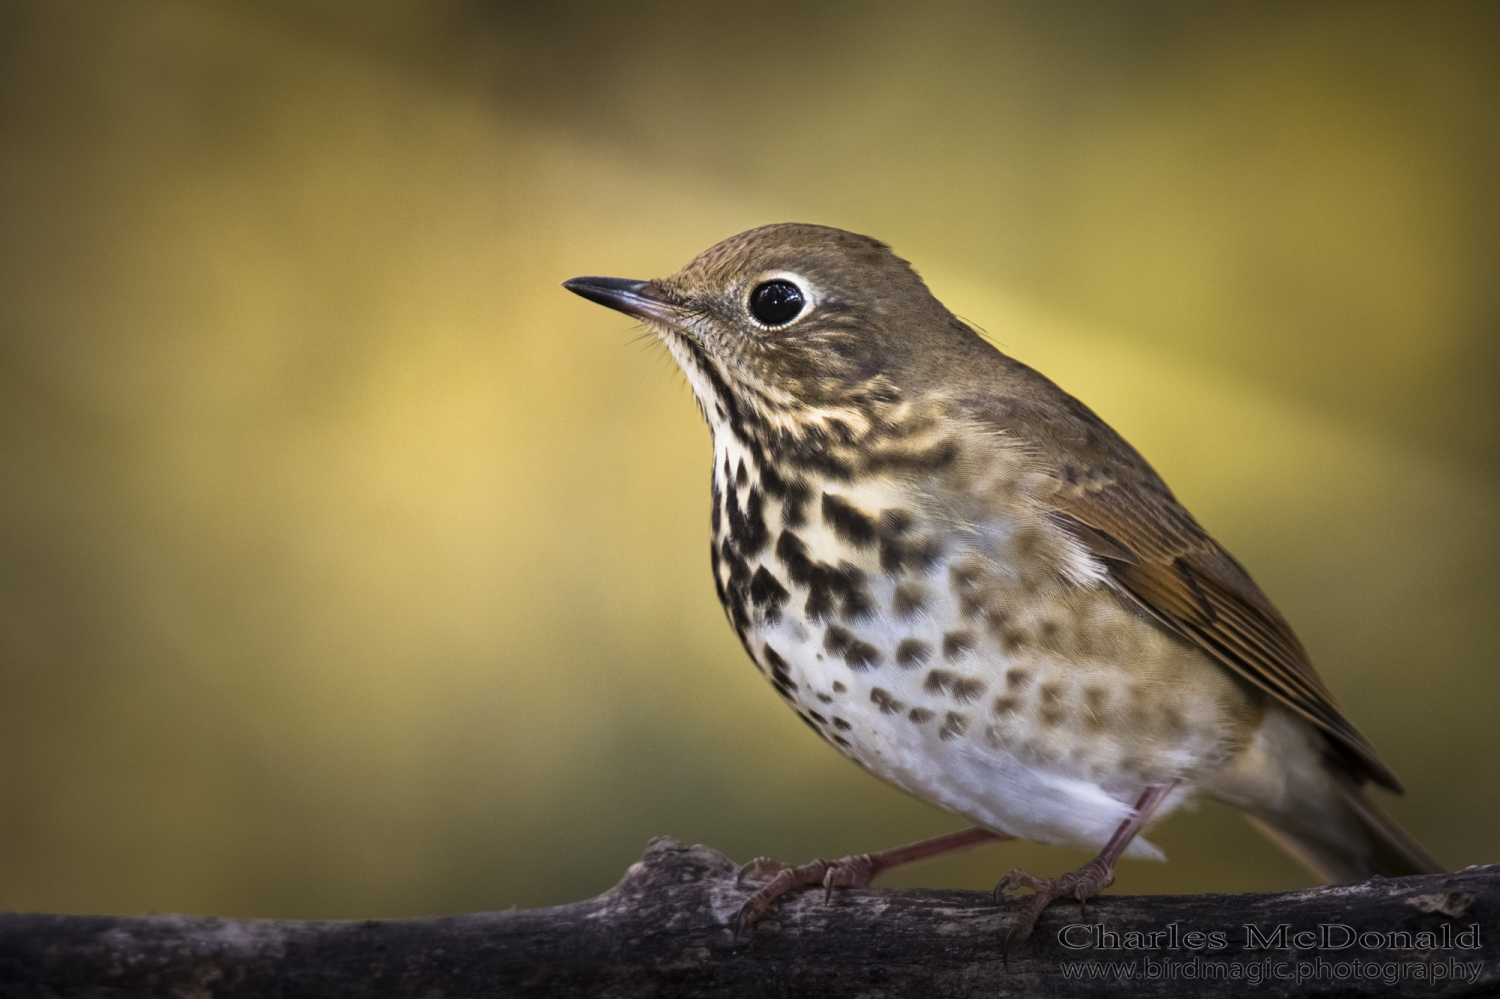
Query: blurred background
{"points": [[349, 567]]}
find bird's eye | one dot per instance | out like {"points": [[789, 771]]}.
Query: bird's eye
{"points": [[776, 303]]}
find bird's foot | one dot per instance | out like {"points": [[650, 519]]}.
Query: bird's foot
{"points": [[855, 871], [1082, 884]]}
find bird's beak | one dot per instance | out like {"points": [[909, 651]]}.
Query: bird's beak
{"points": [[640, 299]]}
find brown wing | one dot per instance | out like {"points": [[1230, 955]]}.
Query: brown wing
{"points": [[1113, 502]]}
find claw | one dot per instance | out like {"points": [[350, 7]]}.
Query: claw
{"points": [[1082, 884], [831, 874], [1016, 880], [759, 867], [756, 905], [856, 870], [738, 926], [1089, 880]]}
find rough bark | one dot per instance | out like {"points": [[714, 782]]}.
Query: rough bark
{"points": [[664, 930]]}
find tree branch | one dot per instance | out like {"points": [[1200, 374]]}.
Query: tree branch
{"points": [[665, 930]]}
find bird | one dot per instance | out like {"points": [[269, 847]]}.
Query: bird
{"points": [[969, 584]]}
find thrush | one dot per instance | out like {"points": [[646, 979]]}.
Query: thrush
{"points": [[969, 584]]}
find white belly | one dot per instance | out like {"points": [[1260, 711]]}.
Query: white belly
{"points": [[1027, 703], [945, 745]]}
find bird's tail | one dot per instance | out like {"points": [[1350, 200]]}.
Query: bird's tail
{"points": [[1360, 841]]}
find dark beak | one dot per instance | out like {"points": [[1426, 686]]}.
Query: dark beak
{"points": [[640, 299]]}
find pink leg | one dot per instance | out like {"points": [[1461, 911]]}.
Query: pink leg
{"points": [[856, 871], [1090, 879]]}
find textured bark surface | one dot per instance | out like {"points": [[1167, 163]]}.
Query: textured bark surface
{"points": [[664, 930]]}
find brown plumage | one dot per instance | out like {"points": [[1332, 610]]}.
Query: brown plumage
{"points": [[971, 585]]}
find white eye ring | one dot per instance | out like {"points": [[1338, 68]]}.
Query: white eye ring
{"points": [[778, 300]]}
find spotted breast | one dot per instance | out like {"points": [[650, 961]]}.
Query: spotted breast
{"points": [[919, 623]]}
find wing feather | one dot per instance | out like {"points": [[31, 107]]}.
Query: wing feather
{"points": [[1156, 555], [1172, 568]]}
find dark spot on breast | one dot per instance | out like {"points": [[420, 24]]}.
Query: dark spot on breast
{"points": [[737, 589], [930, 459], [898, 550], [839, 688], [894, 523], [841, 741], [794, 504], [1094, 699], [772, 481], [956, 643], [912, 652], [1027, 543], [908, 599], [767, 593], [939, 457], [919, 715], [793, 554], [953, 725], [1007, 705], [883, 700], [968, 688], [973, 587], [829, 588], [1017, 678], [965, 576], [809, 448], [818, 718], [748, 528], [840, 724], [854, 595], [740, 478], [1013, 639], [713, 556], [1053, 710], [824, 698], [715, 518], [819, 605], [899, 554], [937, 681], [847, 522], [1050, 636], [781, 677], [963, 688], [857, 654]]}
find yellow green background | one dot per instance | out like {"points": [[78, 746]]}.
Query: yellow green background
{"points": [[350, 567]]}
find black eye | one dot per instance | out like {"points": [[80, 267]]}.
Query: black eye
{"points": [[776, 303]]}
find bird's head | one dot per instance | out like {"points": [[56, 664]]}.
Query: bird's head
{"points": [[792, 318]]}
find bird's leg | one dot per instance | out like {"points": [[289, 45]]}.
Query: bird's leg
{"points": [[857, 870], [1090, 879]]}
